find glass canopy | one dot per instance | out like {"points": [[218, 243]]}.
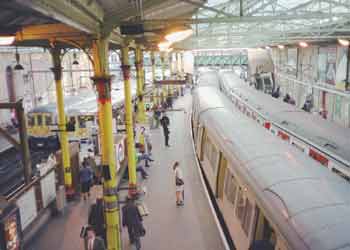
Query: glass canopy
{"points": [[256, 23]]}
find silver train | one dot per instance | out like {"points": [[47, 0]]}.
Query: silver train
{"points": [[269, 193], [322, 140]]}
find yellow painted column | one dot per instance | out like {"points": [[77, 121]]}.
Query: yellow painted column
{"points": [[102, 81], [141, 115], [171, 67], [177, 69], [57, 70], [128, 121], [164, 87], [155, 92]]}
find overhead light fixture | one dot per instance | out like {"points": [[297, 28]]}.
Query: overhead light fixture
{"points": [[164, 46], [75, 61], [18, 66], [178, 36], [303, 44], [267, 47], [6, 40], [343, 42], [280, 46]]}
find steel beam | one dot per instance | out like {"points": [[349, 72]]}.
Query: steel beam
{"points": [[85, 15], [203, 6]]}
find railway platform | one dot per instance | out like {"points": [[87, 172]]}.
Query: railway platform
{"points": [[192, 226]]}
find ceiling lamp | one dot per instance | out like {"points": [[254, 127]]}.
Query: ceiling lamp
{"points": [[343, 42], [267, 47], [75, 61], [164, 46], [280, 46], [18, 66], [178, 36], [303, 44], [6, 40]]}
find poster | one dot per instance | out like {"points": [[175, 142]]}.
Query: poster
{"points": [[342, 53], [292, 60], [48, 188], [27, 208]]}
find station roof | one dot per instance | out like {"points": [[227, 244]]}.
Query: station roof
{"points": [[255, 23], [93, 17], [216, 23]]}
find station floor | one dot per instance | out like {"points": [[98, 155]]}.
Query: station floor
{"points": [[167, 226]]}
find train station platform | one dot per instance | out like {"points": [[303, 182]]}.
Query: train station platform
{"points": [[168, 226]]}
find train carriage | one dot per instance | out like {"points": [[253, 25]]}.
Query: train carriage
{"points": [[268, 193]]}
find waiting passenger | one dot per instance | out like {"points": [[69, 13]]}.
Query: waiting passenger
{"points": [[179, 184], [286, 98], [86, 177], [165, 122], [276, 94], [94, 242], [133, 221]]}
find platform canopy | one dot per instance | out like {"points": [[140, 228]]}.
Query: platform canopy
{"points": [[255, 23], [91, 18]]}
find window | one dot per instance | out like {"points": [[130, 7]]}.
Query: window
{"points": [[31, 120], [48, 120], [39, 120], [82, 122], [263, 230], [244, 210], [230, 188]]}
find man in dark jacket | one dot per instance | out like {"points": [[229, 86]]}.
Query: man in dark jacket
{"points": [[94, 242], [165, 124], [133, 220]]}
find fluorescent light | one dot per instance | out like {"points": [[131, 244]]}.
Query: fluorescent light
{"points": [[6, 40], [178, 35], [303, 44], [280, 46], [343, 42], [267, 47], [163, 46]]}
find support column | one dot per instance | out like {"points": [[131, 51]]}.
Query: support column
{"points": [[57, 71], [178, 72], [128, 121], [155, 92], [171, 67], [164, 87], [141, 116], [102, 81], [25, 152]]}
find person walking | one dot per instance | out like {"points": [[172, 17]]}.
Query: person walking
{"points": [[165, 122], [132, 219], [86, 177], [179, 184], [94, 242]]}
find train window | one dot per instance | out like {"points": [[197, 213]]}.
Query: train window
{"points": [[341, 174], [39, 120], [31, 120], [48, 120], [230, 188], [82, 122], [244, 210], [263, 231]]}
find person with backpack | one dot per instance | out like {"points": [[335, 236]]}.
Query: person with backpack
{"points": [[179, 184]]}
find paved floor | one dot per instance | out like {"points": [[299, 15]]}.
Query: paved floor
{"points": [[168, 226]]}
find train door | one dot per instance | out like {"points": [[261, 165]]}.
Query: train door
{"points": [[221, 177]]}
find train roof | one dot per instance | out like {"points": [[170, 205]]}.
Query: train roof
{"points": [[84, 102], [309, 204], [323, 133]]}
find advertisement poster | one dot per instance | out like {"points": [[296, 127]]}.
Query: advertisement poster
{"points": [[342, 53], [292, 60]]}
